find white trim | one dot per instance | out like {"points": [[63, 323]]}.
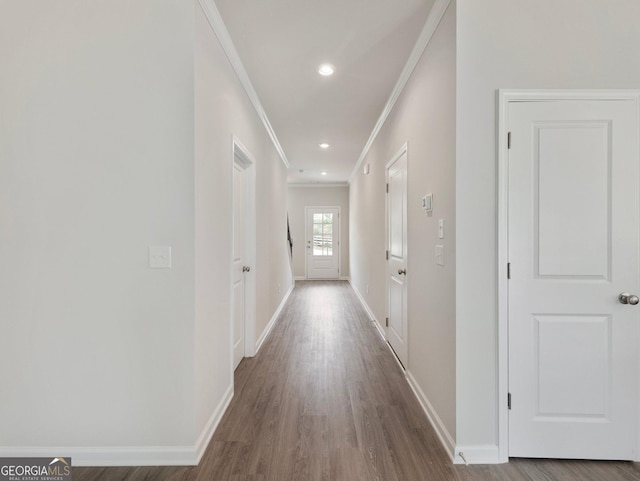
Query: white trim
{"points": [[219, 28], [504, 97], [503, 259], [380, 329], [112, 456], [369, 312], [335, 184], [211, 426], [274, 319], [481, 454], [133, 455], [445, 437], [341, 278], [433, 20]]}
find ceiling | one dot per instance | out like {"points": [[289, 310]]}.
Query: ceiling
{"points": [[282, 44]]}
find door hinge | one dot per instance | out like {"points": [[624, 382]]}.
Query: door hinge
{"points": [[387, 255], [387, 187], [386, 322], [508, 270], [508, 140], [509, 400]]}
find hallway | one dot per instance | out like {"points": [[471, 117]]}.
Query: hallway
{"points": [[324, 399]]}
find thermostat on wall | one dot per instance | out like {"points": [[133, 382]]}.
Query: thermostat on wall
{"points": [[427, 203]]}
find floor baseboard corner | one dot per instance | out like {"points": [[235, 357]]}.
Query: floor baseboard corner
{"points": [[486, 454], [438, 425]]}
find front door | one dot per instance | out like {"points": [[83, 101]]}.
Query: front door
{"points": [[397, 255], [323, 242], [573, 219]]}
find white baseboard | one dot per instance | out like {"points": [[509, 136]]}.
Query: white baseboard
{"points": [[487, 454], [112, 456], [341, 278], [445, 437], [130, 455], [369, 312], [380, 330], [362, 301], [212, 424], [273, 320]]}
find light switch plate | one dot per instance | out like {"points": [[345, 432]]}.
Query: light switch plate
{"points": [[440, 255], [427, 203], [441, 229], [160, 257]]}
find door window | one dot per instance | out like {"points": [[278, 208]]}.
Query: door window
{"points": [[323, 234]]}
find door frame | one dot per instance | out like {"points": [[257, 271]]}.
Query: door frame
{"points": [[387, 231], [307, 208], [504, 98], [242, 158]]}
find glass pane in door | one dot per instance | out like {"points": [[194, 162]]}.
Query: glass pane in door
{"points": [[323, 234]]}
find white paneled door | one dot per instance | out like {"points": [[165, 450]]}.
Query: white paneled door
{"points": [[323, 242], [397, 255], [573, 219], [239, 264]]}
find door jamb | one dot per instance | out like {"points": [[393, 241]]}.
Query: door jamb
{"points": [[242, 158], [503, 98], [306, 236]]}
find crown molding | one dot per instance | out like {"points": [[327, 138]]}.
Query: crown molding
{"points": [[320, 184], [430, 26], [220, 29]]}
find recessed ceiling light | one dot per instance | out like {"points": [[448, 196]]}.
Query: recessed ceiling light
{"points": [[324, 145], [326, 69], [323, 173]]}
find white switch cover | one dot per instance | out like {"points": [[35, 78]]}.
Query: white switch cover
{"points": [[441, 229], [427, 203], [160, 257], [440, 255]]}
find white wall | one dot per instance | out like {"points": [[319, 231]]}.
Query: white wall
{"points": [[103, 153], [273, 270], [299, 198], [96, 122], [546, 44], [424, 116], [223, 111]]}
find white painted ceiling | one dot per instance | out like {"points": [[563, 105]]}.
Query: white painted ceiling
{"points": [[283, 42]]}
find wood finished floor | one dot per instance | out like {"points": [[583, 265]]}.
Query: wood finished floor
{"points": [[324, 399]]}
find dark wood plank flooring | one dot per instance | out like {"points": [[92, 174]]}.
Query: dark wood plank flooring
{"points": [[324, 399]]}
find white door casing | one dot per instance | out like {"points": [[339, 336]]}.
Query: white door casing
{"points": [[322, 242], [243, 337], [397, 326], [571, 210]]}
